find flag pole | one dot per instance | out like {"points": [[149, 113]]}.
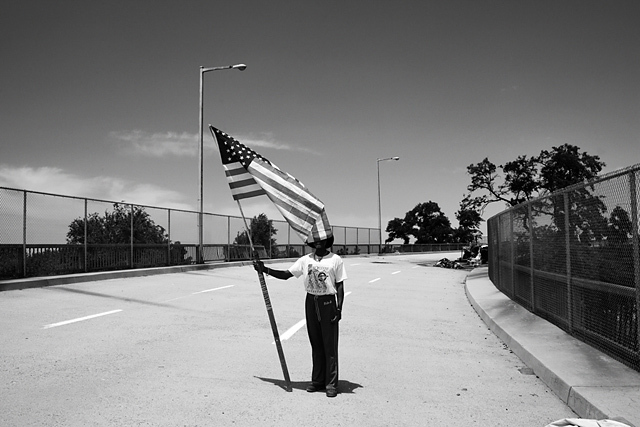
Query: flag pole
{"points": [[267, 303]]}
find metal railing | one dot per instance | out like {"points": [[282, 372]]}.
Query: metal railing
{"points": [[573, 258], [34, 228]]}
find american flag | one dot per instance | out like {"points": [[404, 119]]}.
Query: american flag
{"points": [[250, 175]]}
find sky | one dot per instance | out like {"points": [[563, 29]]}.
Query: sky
{"points": [[101, 99]]}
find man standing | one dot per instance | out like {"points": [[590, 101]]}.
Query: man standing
{"points": [[324, 276]]}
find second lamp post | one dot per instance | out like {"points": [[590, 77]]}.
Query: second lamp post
{"points": [[379, 203]]}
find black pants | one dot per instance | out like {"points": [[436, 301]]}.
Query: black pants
{"points": [[323, 335]]}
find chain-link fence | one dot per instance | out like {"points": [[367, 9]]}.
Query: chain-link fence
{"points": [[573, 258], [44, 234]]}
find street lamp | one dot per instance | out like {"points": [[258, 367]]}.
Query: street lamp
{"points": [[241, 67], [379, 204]]}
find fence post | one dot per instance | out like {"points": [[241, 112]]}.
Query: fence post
{"points": [[493, 250], [24, 234], [636, 248], [369, 240], [85, 236], [131, 240], [168, 236], [512, 259], [228, 238], [567, 237], [531, 266], [345, 240]]}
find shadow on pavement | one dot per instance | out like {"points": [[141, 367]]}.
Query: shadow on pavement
{"points": [[343, 386], [98, 294]]}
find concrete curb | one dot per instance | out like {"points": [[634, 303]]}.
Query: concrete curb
{"points": [[592, 384], [39, 282], [64, 279]]}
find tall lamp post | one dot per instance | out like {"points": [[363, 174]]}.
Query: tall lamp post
{"points": [[241, 67], [379, 204]]}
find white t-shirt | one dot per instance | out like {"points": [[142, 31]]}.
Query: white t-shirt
{"points": [[320, 276]]}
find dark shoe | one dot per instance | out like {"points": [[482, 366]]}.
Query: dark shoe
{"points": [[312, 388], [332, 392]]}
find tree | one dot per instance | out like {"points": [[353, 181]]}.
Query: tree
{"points": [[115, 227], [565, 166], [527, 178], [398, 229], [469, 220], [262, 232], [425, 222]]}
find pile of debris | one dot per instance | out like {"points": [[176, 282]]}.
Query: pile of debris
{"points": [[472, 257], [446, 263]]}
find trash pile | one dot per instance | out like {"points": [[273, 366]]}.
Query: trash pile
{"points": [[472, 257], [447, 263]]}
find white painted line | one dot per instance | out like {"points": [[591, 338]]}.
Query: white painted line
{"points": [[80, 319], [292, 330], [374, 280], [196, 293], [295, 328], [396, 272], [351, 265], [211, 290]]}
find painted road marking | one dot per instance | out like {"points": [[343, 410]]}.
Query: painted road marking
{"points": [[396, 272], [292, 330], [374, 280], [80, 319], [211, 290], [196, 293], [295, 328]]}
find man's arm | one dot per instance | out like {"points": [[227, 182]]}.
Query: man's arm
{"points": [[340, 294], [278, 274], [340, 298]]}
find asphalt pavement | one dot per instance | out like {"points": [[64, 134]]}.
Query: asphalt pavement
{"points": [[194, 348]]}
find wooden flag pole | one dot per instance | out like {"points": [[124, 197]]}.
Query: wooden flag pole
{"points": [[267, 303]]}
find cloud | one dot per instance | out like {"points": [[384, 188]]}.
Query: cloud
{"points": [[57, 181], [267, 142], [158, 144], [185, 144]]}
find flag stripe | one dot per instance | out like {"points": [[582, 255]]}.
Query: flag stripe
{"points": [[243, 183], [233, 169], [247, 194], [255, 188]]}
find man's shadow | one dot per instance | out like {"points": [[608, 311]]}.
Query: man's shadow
{"points": [[346, 387]]}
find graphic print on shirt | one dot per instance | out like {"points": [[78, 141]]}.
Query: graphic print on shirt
{"points": [[317, 278]]}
